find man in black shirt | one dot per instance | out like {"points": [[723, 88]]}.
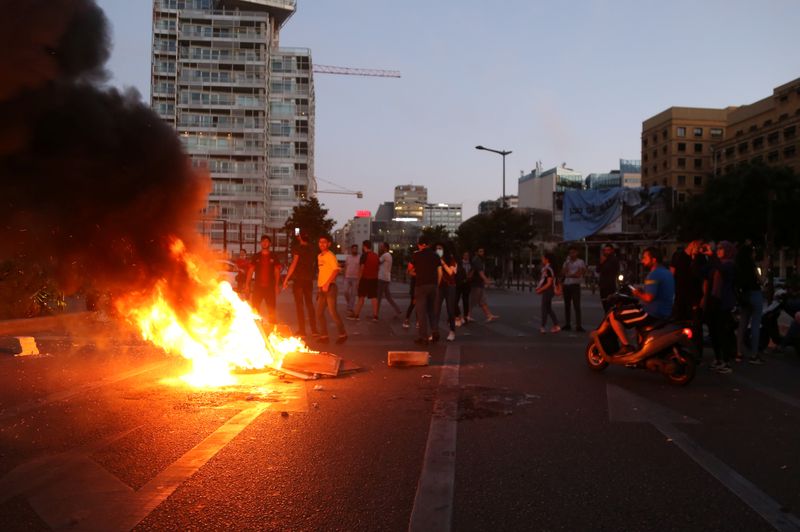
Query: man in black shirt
{"points": [[301, 271], [689, 267], [607, 272], [265, 285], [427, 272]]}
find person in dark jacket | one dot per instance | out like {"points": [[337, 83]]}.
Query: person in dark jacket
{"points": [[607, 272], [751, 301], [719, 307]]}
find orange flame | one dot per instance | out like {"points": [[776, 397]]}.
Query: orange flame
{"points": [[219, 334]]}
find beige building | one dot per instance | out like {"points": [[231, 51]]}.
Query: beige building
{"points": [[409, 202], [683, 147]]}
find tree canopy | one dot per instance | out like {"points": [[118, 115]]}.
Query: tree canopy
{"points": [[500, 232], [435, 234], [735, 207], [310, 216]]}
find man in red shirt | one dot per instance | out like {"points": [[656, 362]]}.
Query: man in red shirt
{"points": [[265, 286], [367, 281]]}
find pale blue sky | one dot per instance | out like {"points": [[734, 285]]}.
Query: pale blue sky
{"points": [[567, 81]]}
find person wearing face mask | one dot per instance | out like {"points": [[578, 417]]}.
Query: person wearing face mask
{"points": [[447, 289]]}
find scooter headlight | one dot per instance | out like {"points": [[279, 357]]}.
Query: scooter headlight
{"points": [[687, 333]]}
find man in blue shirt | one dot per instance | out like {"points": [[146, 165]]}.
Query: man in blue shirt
{"points": [[657, 296]]}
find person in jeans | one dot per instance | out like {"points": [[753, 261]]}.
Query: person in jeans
{"points": [[477, 294], [573, 271], [751, 299], [447, 289], [427, 271], [546, 289], [720, 305], [301, 272], [328, 268], [352, 269], [385, 279]]}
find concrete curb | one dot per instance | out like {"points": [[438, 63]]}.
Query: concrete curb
{"points": [[29, 325]]}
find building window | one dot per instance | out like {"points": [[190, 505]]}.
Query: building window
{"points": [[655, 154], [681, 162], [644, 159], [681, 197], [757, 159], [681, 180], [698, 181], [783, 117], [698, 148], [681, 146], [664, 134], [789, 152], [772, 156], [753, 128], [644, 143], [681, 132], [716, 133], [698, 132], [790, 132], [729, 151], [767, 123], [758, 143], [664, 149], [664, 165], [698, 163], [743, 147], [773, 138]]}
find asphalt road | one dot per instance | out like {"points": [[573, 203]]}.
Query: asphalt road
{"points": [[507, 429]]}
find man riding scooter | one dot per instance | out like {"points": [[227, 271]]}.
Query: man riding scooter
{"points": [[657, 298]]}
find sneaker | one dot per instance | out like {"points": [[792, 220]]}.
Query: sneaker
{"points": [[716, 365], [406, 325], [756, 360], [353, 318], [350, 313], [555, 329], [374, 318], [451, 336], [458, 322], [738, 357], [493, 317], [566, 327], [469, 319], [725, 369], [542, 330], [626, 350], [580, 329], [342, 338]]}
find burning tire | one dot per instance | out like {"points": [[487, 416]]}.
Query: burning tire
{"points": [[594, 357]]}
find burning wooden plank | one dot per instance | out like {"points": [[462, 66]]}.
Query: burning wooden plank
{"points": [[320, 363], [408, 358]]}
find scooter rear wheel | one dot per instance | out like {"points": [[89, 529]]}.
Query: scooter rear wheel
{"points": [[685, 367], [594, 357]]}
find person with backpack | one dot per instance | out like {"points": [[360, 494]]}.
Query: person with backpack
{"points": [[547, 289]]}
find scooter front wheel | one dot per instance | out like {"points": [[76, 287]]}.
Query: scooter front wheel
{"points": [[594, 357]]}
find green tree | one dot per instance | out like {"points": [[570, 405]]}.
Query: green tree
{"points": [[310, 216], [736, 207], [503, 233], [435, 234]]}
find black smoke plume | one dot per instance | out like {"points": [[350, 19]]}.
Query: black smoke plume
{"points": [[92, 182]]}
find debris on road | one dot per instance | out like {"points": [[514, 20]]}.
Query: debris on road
{"points": [[321, 363], [427, 376], [19, 346], [408, 358], [318, 388]]}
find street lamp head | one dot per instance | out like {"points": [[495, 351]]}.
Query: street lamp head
{"points": [[479, 148]]}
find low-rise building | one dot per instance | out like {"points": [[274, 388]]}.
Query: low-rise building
{"points": [[536, 189]]}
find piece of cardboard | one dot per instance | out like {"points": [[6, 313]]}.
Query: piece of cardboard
{"points": [[408, 358]]}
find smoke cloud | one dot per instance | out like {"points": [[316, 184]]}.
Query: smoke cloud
{"points": [[92, 182]]}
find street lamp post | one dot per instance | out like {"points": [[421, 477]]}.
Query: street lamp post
{"points": [[503, 153]]}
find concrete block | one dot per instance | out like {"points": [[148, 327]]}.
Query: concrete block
{"points": [[321, 363], [19, 346], [409, 358]]}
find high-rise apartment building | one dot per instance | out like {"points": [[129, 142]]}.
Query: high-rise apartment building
{"points": [[683, 147], [409, 202], [243, 106], [444, 214]]}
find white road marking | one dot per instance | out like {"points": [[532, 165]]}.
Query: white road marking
{"points": [[771, 392], [628, 407], [433, 504]]}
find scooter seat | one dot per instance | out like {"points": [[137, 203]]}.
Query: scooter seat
{"points": [[653, 326]]}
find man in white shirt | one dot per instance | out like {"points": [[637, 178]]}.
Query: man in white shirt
{"points": [[385, 278], [574, 270], [352, 270]]}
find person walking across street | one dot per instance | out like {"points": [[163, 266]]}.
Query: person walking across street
{"points": [[367, 281], [328, 268], [462, 289], [242, 267], [546, 289], [385, 279], [412, 282], [264, 287], [301, 272], [352, 268], [720, 305], [447, 289], [573, 271], [477, 294], [427, 271], [689, 267], [607, 274], [751, 301]]}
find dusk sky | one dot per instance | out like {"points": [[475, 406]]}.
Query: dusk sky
{"points": [[552, 81]]}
